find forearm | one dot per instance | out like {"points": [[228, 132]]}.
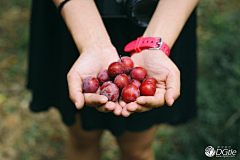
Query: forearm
{"points": [[169, 19], [85, 24]]}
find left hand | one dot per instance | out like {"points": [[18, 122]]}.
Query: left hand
{"points": [[159, 66]]}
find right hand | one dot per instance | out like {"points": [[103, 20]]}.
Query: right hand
{"points": [[90, 63]]}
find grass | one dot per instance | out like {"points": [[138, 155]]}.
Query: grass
{"points": [[25, 135]]}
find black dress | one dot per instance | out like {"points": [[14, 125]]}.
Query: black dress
{"points": [[53, 52]]}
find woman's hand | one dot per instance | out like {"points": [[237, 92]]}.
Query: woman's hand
{"points": [[159, 66], [90, 63]]}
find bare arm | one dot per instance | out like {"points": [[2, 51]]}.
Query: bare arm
{"points": [[167, 22], [169, 18], [97, 52], [85, 24]]}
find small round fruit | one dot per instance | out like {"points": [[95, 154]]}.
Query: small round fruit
{"points": [[127, 63], [121, 80], [130, 93], [115, 69], [151, 79], [147, 88], [135, 82], [138, 73], [110, 90], [103, 76], [90, 84]]}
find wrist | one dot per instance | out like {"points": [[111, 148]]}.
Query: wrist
{"points": [[147, 43], [100, 49], [163, 37], [94, 43], [87, 29]]}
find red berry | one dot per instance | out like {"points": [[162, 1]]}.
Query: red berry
{"points": [[138, 73], [127, 63], [90, 84], [121, 80], [130, 93], [110, 90], [135, 82], [115, 69], [150, 79], [147, 88], [103, 76]]}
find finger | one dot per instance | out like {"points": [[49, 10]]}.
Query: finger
{"points": [[109, 106], [134, 107], [75, 89], [94, 100], [125, 112], [118, 109], [122, 103], [172, 88], [152, 101]]}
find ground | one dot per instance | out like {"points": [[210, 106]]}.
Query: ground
{"points": [[26, 135]]}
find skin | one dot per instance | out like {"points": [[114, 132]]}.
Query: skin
{"points": [[167, 21], [87, 29], [168, 82], [94, 54], [164, 25]]}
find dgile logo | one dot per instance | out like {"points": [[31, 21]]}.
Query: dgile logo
{"points": [[221, 151], [209, 151]]}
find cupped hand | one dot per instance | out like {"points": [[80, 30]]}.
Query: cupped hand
{"points": [[90, 63], [159, 66]]}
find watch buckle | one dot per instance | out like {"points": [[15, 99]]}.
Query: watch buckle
{"points": [[159, 44]]}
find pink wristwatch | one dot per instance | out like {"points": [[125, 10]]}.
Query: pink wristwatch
{"points": [[146, 43]]}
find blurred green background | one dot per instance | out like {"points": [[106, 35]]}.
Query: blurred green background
{"points": [[28, 136]]}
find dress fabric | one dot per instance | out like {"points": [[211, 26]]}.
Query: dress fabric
{"points": [[52, 53]]}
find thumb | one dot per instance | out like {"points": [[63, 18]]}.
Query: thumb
{"points": [[172, 87], [75, 89]]}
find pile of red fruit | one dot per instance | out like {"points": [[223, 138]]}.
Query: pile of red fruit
{"points": [[121, 77]]}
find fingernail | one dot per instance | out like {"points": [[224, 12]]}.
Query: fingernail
{"points": [[126, 114], [140, 101], [118, 112], [104, 100], [122, 104], [76, 104], [131, 108], [110, 107], [172, 101]]}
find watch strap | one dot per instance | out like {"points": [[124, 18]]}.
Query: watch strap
{"points": [[151, 43]]}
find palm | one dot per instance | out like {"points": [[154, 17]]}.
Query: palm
{"points": [[90, 64], [159, 66], [153, 63]]}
